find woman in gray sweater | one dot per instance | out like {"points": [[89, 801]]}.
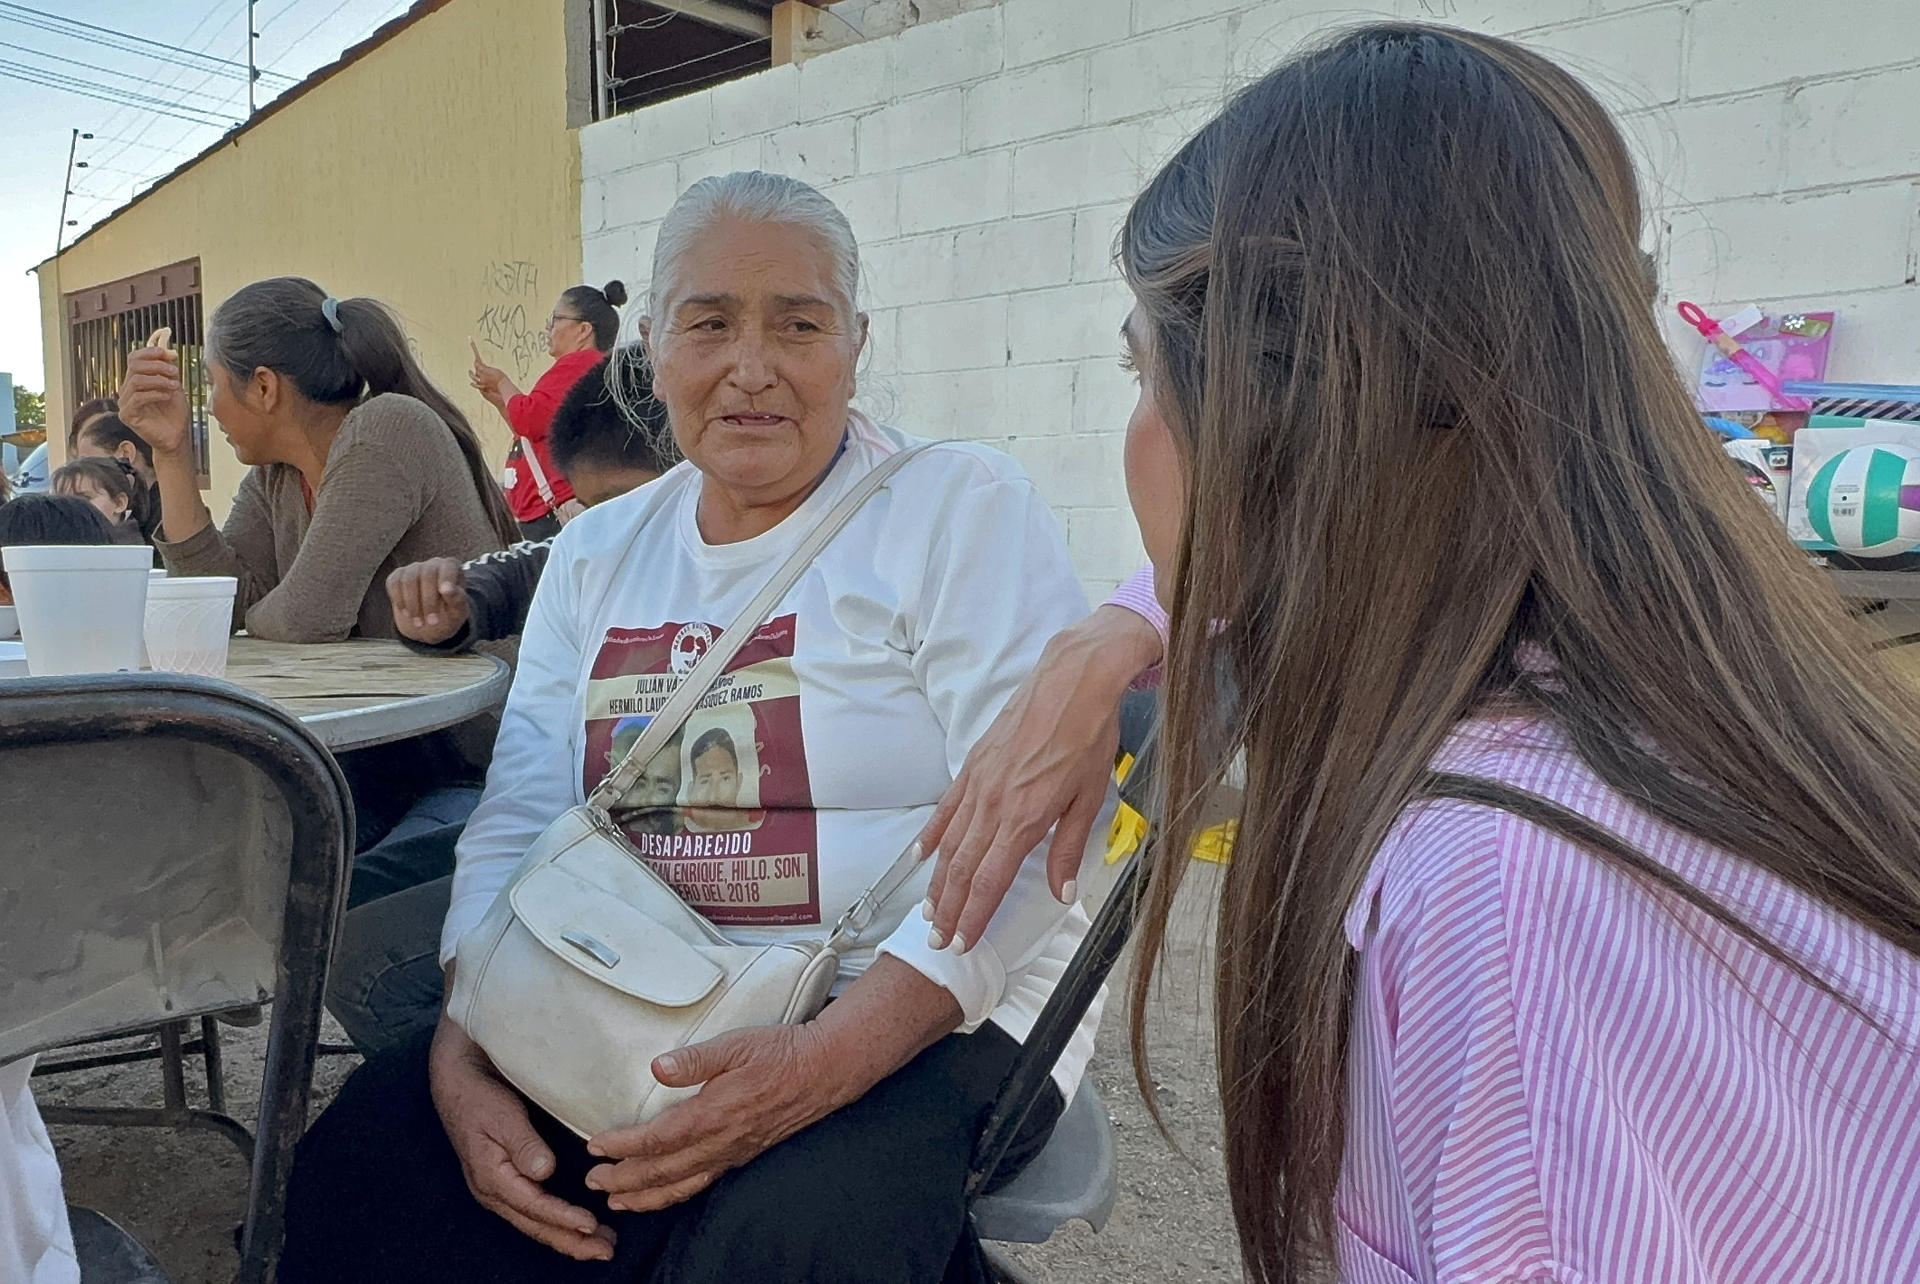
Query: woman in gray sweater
{"points": [[361, 465]]}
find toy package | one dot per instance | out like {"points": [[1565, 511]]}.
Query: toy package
{"points": [[1793, 347], [1856, 491]]}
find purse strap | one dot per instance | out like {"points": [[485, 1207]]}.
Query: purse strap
{"points": [[694, 687], [531, 457]]}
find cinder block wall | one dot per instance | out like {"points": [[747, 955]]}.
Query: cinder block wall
{"points": [[985, 160]]}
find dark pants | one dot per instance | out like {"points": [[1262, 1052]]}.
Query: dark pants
{"points": [[384, 981], [873, 1192], [385, 984], [540, 528], [388, 780]]}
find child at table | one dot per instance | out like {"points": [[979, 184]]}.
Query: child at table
{"points": [[111, 486], [48, 519], [605, 446]]}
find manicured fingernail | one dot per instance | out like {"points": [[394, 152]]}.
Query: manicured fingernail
{"points": [[1070, 891], [926, 909], [959, 943], [919, 852], [936, 939]]}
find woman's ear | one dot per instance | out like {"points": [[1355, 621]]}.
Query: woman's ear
{"points": [[127, 453], [266, 390]]}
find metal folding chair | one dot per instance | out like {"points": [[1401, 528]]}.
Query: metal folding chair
{"points": [[1073, 1175], [176, 848]]}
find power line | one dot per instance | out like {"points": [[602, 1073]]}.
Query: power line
{"points": [[114, 118], [90, 66], [99, 137], [178, 144], [332, 13], [105, 93], [125, 42]]}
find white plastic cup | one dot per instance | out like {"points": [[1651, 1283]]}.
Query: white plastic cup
{"points": [[189, 621], [82, 607], [153, 577]]}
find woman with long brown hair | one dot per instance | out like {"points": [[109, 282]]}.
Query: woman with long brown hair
{"points": [[1571, 929]]}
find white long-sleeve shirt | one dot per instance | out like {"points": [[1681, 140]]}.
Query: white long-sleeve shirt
{"points": [[835, 730]]}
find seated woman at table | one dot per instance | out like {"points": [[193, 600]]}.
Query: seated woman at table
{"points": [[832, 1150], [359, 466]]}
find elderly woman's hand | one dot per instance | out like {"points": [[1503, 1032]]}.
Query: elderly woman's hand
{"points": [[503, 1158], [761, 1085], [1045, 763]]}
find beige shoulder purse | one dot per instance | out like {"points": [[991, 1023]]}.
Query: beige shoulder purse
{"points": [[588, 965]]}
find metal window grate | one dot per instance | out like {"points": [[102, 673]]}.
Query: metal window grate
{"points": [[646, 53], [105, 323]]}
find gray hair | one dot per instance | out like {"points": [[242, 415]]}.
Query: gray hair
{"points": [[754, 196]]}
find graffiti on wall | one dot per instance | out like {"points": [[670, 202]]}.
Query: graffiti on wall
{"points": [[509, 287]]}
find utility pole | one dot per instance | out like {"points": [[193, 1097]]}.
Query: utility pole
{"points": [[66, 190], [253, 72]]}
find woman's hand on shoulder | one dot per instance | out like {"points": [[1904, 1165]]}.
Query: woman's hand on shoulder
{"points": [[153, 401], [503, 1157], [758, 1086], [1045, 763]]}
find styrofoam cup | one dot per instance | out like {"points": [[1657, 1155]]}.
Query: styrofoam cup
{"points": [[189, 621], [82, 607]]}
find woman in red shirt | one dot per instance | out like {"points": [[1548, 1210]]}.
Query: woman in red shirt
{"points": [[580, 333]]}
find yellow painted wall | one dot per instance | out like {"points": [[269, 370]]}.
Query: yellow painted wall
{"points": [[437, 174]]}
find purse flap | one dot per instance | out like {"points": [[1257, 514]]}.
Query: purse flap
{"points": [[611, 941]]}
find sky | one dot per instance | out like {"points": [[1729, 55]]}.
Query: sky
{"points": [[134, 142]]}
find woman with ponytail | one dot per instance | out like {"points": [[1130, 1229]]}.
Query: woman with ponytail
{"points": [[582, 330], [360, 466]]}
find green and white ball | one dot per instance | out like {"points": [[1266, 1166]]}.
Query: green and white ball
{"points": [[1853, 500]]}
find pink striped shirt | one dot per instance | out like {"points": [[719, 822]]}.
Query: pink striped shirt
{"points": [[1137, 595], [1551, 1079]]}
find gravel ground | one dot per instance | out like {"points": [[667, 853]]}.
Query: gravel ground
{"points": [[182, 1193]]}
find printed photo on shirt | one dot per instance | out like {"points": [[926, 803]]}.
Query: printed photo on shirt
{"points": [[724, 810]]}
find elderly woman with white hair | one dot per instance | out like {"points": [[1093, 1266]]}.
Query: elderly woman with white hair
{"points": [[834, 1149]]}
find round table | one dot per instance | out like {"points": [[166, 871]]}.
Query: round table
{"points": [[361, 693]]}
